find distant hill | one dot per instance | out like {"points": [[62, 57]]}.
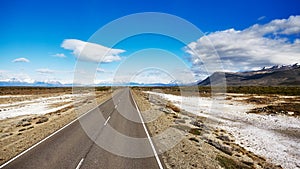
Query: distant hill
{"points": [[139, 84], [15, 82], [274, 76]]}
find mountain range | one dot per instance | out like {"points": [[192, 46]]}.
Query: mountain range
{"points": [[16, 82], [284, 75]]}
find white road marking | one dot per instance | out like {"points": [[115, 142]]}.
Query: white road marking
{"points": [[80, 163], [106, 121], [3, 165], [147, 133]]}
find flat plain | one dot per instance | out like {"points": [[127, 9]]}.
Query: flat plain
{"points": [[246, 127]]}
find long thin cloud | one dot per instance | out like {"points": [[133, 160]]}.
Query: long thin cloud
{"points": [[21, 60]]}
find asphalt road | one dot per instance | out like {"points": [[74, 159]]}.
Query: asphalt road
{"points": [[96, 141]]}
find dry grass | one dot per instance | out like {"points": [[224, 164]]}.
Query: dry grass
{"points": [[290, 109]]}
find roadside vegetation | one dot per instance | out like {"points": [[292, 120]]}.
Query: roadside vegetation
{"points": [[20, 90], [281, 90], [16, 90]]}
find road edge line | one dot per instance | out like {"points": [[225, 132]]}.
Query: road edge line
{"points": [[147, 133], [36, 144], [80, 163]]}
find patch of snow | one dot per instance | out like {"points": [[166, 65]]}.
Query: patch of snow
{"points": [[255, 132]]}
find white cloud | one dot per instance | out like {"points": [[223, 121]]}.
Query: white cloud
{"points": [[20, 60], [152, 76], [100, 70], [278, 26], [261, 18], [103, 81], [91, 51], [256, 46], [7, 76], [44, 75], [45, 71], [60, 55]]}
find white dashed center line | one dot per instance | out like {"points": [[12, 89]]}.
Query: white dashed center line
{"points": [[106, 121]]}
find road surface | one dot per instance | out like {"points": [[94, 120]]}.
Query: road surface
{"points": [[73, 148]]}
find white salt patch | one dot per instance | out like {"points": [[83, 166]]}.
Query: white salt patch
{"points": [[38, 106], [256, 133], [12, 96]]}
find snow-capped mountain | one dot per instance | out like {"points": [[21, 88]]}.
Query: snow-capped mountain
{"points": [[16, 82], [268, 76]]}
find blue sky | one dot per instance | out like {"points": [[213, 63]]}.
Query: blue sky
{"points": [[35, 30]]}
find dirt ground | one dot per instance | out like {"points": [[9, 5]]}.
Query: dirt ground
{"points": [[19, 133], [202, 146]]}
